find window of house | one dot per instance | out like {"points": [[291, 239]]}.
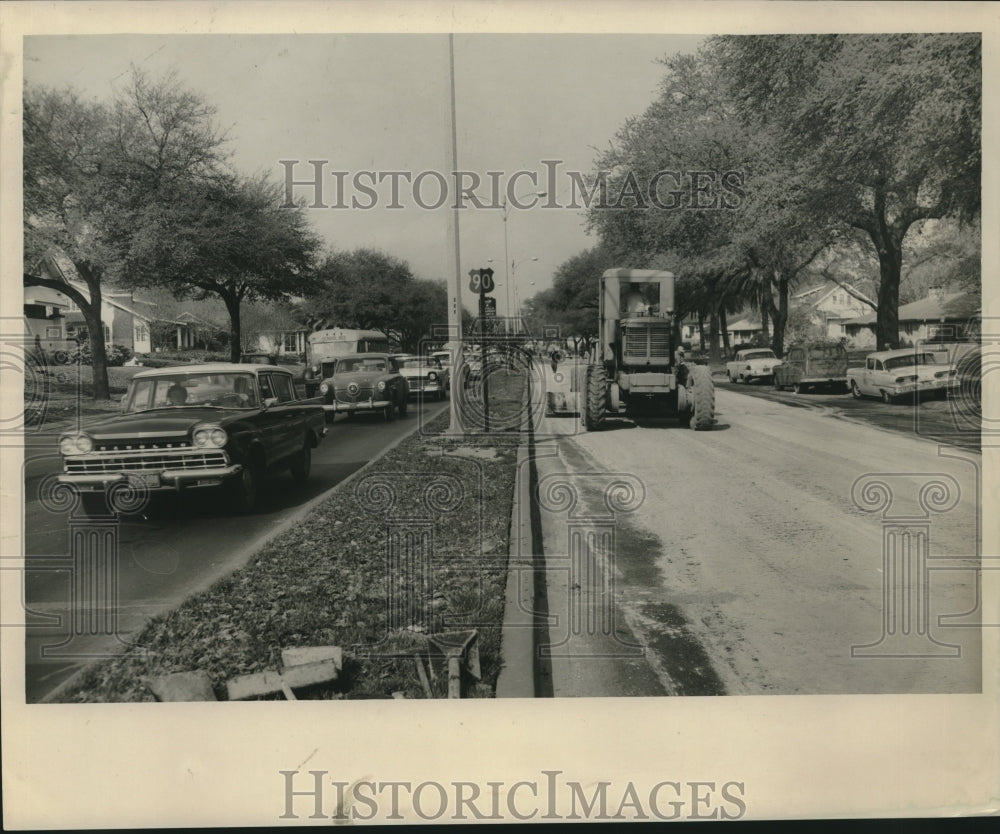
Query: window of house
{"points": [[53, 332], [141, 332], [290, 343], [107, 334]]}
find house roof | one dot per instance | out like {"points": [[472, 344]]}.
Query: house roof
{"points": [[45, 295], [743, 324], [818, 292], [932, 308]]}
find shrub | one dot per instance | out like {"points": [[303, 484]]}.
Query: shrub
{"points": [[117, 355]]}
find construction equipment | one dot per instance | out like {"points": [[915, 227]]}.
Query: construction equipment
{"points": [[639, 365]]}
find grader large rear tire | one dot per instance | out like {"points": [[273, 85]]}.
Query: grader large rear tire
{"points": [[703, 398], [596, 395]]}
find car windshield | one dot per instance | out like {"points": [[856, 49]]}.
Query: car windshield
{"points": [[759, 354], [355, 365], [187, 390], [909, 360]]}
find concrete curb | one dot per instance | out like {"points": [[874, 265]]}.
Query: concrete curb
{"points": [[517, 642], [258, 544]]}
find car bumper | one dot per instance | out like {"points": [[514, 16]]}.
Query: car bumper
{"points": [[364, 405], [426, 388], [919, 387], [165, 479]]}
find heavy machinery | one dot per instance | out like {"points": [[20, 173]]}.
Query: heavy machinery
{"points": [[638, 365]]}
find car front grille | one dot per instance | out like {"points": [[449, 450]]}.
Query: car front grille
{"points": [[345, 396], [148, 460]]}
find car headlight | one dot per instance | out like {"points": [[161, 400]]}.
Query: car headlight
{"points": [[76, 444], [209, 436], [381, 385], [748, 368], [432, 376], [323, 387]]}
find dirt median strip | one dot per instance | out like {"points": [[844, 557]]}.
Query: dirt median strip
{"points": [[415, 544]]}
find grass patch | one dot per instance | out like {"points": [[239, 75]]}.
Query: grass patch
{"points": [[329, 580]]}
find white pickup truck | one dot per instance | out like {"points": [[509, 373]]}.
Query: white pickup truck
{"points": [[751, 364]]}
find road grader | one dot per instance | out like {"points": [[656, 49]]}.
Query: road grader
{"points": [[639, 365]]}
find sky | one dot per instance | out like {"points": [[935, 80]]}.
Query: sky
{"points": [[381, 103]]}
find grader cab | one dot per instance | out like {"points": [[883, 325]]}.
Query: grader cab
{"points": [[638, 367]]}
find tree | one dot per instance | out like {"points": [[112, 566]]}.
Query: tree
{"points": [[424, 304], [884, 131], [64, 149], [228, 237], [371, 290], [89, 166]]}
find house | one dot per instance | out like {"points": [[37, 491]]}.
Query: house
{"points": [[125, 319], [192, 330], [742, 331], [830, 307], [938, 314], [45, 318], [283, 342]]}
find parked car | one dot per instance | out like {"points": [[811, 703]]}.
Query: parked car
{"points": [[750, 364], [216, 425], [444, 357], [364, 382], [894, 373], [259, 358], [812, 365], [425, 376]]}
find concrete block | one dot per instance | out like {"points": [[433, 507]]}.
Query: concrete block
{"points": [[183, 686], [261, 684], [300, 655]]}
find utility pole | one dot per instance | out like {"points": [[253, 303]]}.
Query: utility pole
{"points": [[455, 301]]}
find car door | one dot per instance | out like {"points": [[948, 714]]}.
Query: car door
{"points": [[865, 377], [876, 377], [288, 415], [397, 382]]}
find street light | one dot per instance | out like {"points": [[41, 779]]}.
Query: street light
{"points": [[508, 265]]}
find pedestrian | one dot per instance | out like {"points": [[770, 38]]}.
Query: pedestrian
{"points": [[555, 360]]}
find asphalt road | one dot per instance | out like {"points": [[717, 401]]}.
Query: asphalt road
{"points": [[178, 545], [756, 558], [951, 421]]}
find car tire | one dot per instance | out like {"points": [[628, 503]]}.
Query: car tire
{"points": [[302, 464], [402, 407], [244, 491], [886, 398], [797, 388], [855, 390], [596, 394], [389, 413], [702, 398]]}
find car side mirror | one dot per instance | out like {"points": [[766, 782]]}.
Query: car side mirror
{"points": [[269, 401]]}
